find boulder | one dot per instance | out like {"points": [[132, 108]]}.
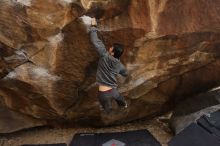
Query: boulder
{"points": [[13, 121], [48, 64]]}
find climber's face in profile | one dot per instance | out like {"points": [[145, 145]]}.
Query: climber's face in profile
{"points": [[110, 51]]}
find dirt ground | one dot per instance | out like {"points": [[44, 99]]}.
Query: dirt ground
{"points": [[158, 127]]}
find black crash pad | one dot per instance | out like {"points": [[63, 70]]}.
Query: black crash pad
{"points": [[58, 144], [211, 123], [213, 119], [130, 138], [194, 135]]}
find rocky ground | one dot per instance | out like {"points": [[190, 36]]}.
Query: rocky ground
{"points": [[158, 127]]}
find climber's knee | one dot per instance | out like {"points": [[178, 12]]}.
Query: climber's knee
{"points": [[120, 101]]}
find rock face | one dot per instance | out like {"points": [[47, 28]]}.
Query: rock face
{"points": [[48, 65]]}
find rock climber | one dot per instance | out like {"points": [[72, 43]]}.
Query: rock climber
{"points": [[109, 66]]}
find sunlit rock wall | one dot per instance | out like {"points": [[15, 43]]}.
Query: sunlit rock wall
{"points": [[48, 64]]}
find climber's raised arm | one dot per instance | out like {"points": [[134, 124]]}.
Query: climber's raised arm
{"points": [[100, 47]]}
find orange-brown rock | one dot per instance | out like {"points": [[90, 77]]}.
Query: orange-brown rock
{"points": [[48, 65]]}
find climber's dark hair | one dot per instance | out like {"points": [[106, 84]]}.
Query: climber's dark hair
{"points": [[118, 50]]}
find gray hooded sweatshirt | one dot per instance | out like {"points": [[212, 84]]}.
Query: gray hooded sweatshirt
{"points": [[108, 66]]}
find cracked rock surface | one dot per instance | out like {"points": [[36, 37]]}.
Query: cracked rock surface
{"points": [[48, 65]]}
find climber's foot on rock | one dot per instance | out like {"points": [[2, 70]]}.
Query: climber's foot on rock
{"points": [[126, 105]]}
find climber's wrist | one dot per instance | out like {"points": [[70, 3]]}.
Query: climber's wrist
{"points": [[94, 22]]}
